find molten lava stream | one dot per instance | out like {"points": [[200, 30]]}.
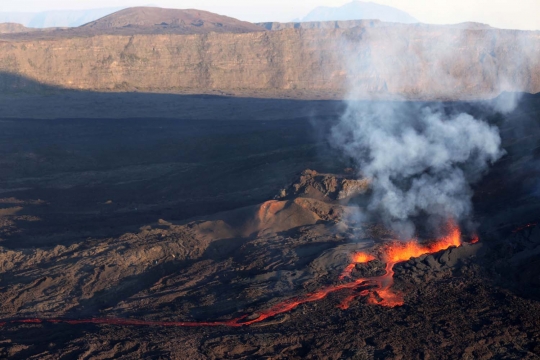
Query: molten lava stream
{"points": [[378, 289], [395, 253]]}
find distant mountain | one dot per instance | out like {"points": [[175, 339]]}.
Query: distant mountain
{"points": [[159, 20], [360, 10], [60, 18]]}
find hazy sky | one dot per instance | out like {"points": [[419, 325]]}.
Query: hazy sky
{"points": [[516, 14]]}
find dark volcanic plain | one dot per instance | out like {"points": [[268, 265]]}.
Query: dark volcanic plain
{"points": [[160, 219]]}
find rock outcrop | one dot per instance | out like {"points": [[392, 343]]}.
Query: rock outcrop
{"points": [[325, 187]]}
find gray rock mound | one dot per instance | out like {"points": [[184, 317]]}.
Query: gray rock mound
{"points": [[439, 265], [326, 187]]}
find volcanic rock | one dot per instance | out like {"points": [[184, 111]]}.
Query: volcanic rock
{"points": [[432, 263], [351, 188], [370, 269], [454, 256], [440, 264], [238, 264], [326, 187]]}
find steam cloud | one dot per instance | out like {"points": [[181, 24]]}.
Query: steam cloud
{"points": [[421, 160]]}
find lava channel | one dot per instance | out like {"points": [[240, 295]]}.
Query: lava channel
{"points": [[377, 288]]}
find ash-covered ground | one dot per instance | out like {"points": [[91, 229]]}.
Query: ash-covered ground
{"points": [[197, 220]]}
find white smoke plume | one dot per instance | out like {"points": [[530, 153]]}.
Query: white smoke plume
{"points": [[421, 158]]}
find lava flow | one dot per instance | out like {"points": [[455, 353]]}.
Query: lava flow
{"points": [[378, 289], [357, 258], [523, 227]]}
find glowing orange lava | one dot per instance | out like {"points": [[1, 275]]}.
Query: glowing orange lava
{"points": [[398, 252], [381, 293], [526, 226], [357, 258], [377, 289], [362, 258]]}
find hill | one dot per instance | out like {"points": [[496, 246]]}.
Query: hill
{"points": [[360, 10], [11, 28], [165, 20]]}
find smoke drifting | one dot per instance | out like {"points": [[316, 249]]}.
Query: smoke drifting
{"points": [[421, 161], [421, 158]]}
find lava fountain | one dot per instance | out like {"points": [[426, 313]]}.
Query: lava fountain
{"points": [[378, 288], [357, 258]]}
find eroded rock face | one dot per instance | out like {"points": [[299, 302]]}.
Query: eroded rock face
{"points": [[386, 61], [328, 187], [439, 265], [370, 269]]}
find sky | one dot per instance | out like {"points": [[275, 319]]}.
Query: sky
{"points": [[508, 14]]}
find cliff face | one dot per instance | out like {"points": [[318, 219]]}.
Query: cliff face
{"points": [[413, 61]]}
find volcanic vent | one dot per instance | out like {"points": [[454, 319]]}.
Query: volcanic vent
{"points": [[270, 258]]}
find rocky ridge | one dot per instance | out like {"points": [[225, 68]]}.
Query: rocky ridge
{"points": [[383, 61]]}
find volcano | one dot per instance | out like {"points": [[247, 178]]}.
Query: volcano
{"points": [[301, 259], [183, 185], [265, 219]]}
